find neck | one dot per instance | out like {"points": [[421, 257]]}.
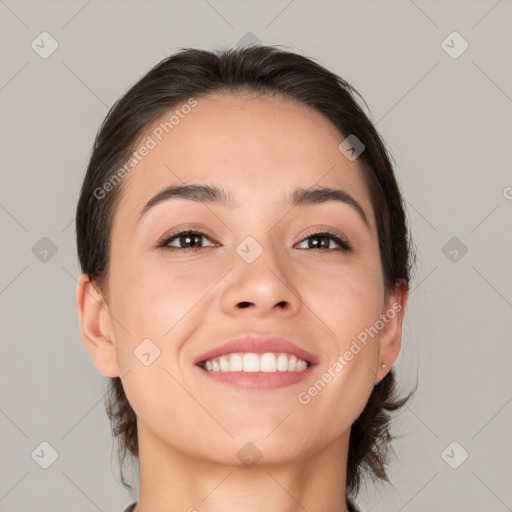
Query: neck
{"points": [[171, 480]]}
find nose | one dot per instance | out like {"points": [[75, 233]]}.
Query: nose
{"points": [[263, 287]]}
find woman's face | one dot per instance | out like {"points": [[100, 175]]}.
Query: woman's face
{"points": [[256, 270]]}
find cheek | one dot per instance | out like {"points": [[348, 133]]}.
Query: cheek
{"points": [[347, 299], [158, 301], [157, 293], [348, 303]]}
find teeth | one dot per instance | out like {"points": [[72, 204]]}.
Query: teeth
{"points": [[252, 363], [235, 363], [268, 363], [224, 364], [302, 365]]}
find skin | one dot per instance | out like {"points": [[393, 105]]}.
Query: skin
{"points": [[190, 428]]}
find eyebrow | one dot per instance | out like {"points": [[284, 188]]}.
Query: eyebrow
{"points": [[213, 194]]}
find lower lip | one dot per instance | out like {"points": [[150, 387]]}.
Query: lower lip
{"points": [[264, 381]]}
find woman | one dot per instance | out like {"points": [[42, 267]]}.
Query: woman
{"points": [[245, 266]]}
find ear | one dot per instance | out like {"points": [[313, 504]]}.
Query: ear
{"points": [[96, 327], [390, 339]]}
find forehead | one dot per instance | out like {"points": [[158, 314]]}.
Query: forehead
{"points": [[260, 147]]}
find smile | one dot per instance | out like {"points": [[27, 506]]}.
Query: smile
{"points": [[268, 362]]}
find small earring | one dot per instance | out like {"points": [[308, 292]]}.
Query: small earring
{"points": [[383, 365]]}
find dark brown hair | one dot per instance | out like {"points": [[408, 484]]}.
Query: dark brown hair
{"points": [[193, 73]]}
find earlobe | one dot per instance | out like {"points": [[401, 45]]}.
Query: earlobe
{"points": [[390, 339], [96, 327]]}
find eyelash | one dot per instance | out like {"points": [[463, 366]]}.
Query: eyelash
{"points": [[345, 245]]}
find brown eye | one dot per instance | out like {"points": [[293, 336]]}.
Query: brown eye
{"points": [[184, 238], [322, 241]]}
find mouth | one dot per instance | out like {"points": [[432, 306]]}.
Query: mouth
{"points": [[251, 362], [256, 362]]}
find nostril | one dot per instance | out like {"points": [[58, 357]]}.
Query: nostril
{"points": [[245, 304]]}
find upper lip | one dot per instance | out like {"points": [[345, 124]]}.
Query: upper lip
{"points": [[257, 344]]}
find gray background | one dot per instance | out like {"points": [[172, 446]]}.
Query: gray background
{"points": [[447, 122]]}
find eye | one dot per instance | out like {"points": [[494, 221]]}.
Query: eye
{"points": [[187, 236], [316, 241], [193, 238]]}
